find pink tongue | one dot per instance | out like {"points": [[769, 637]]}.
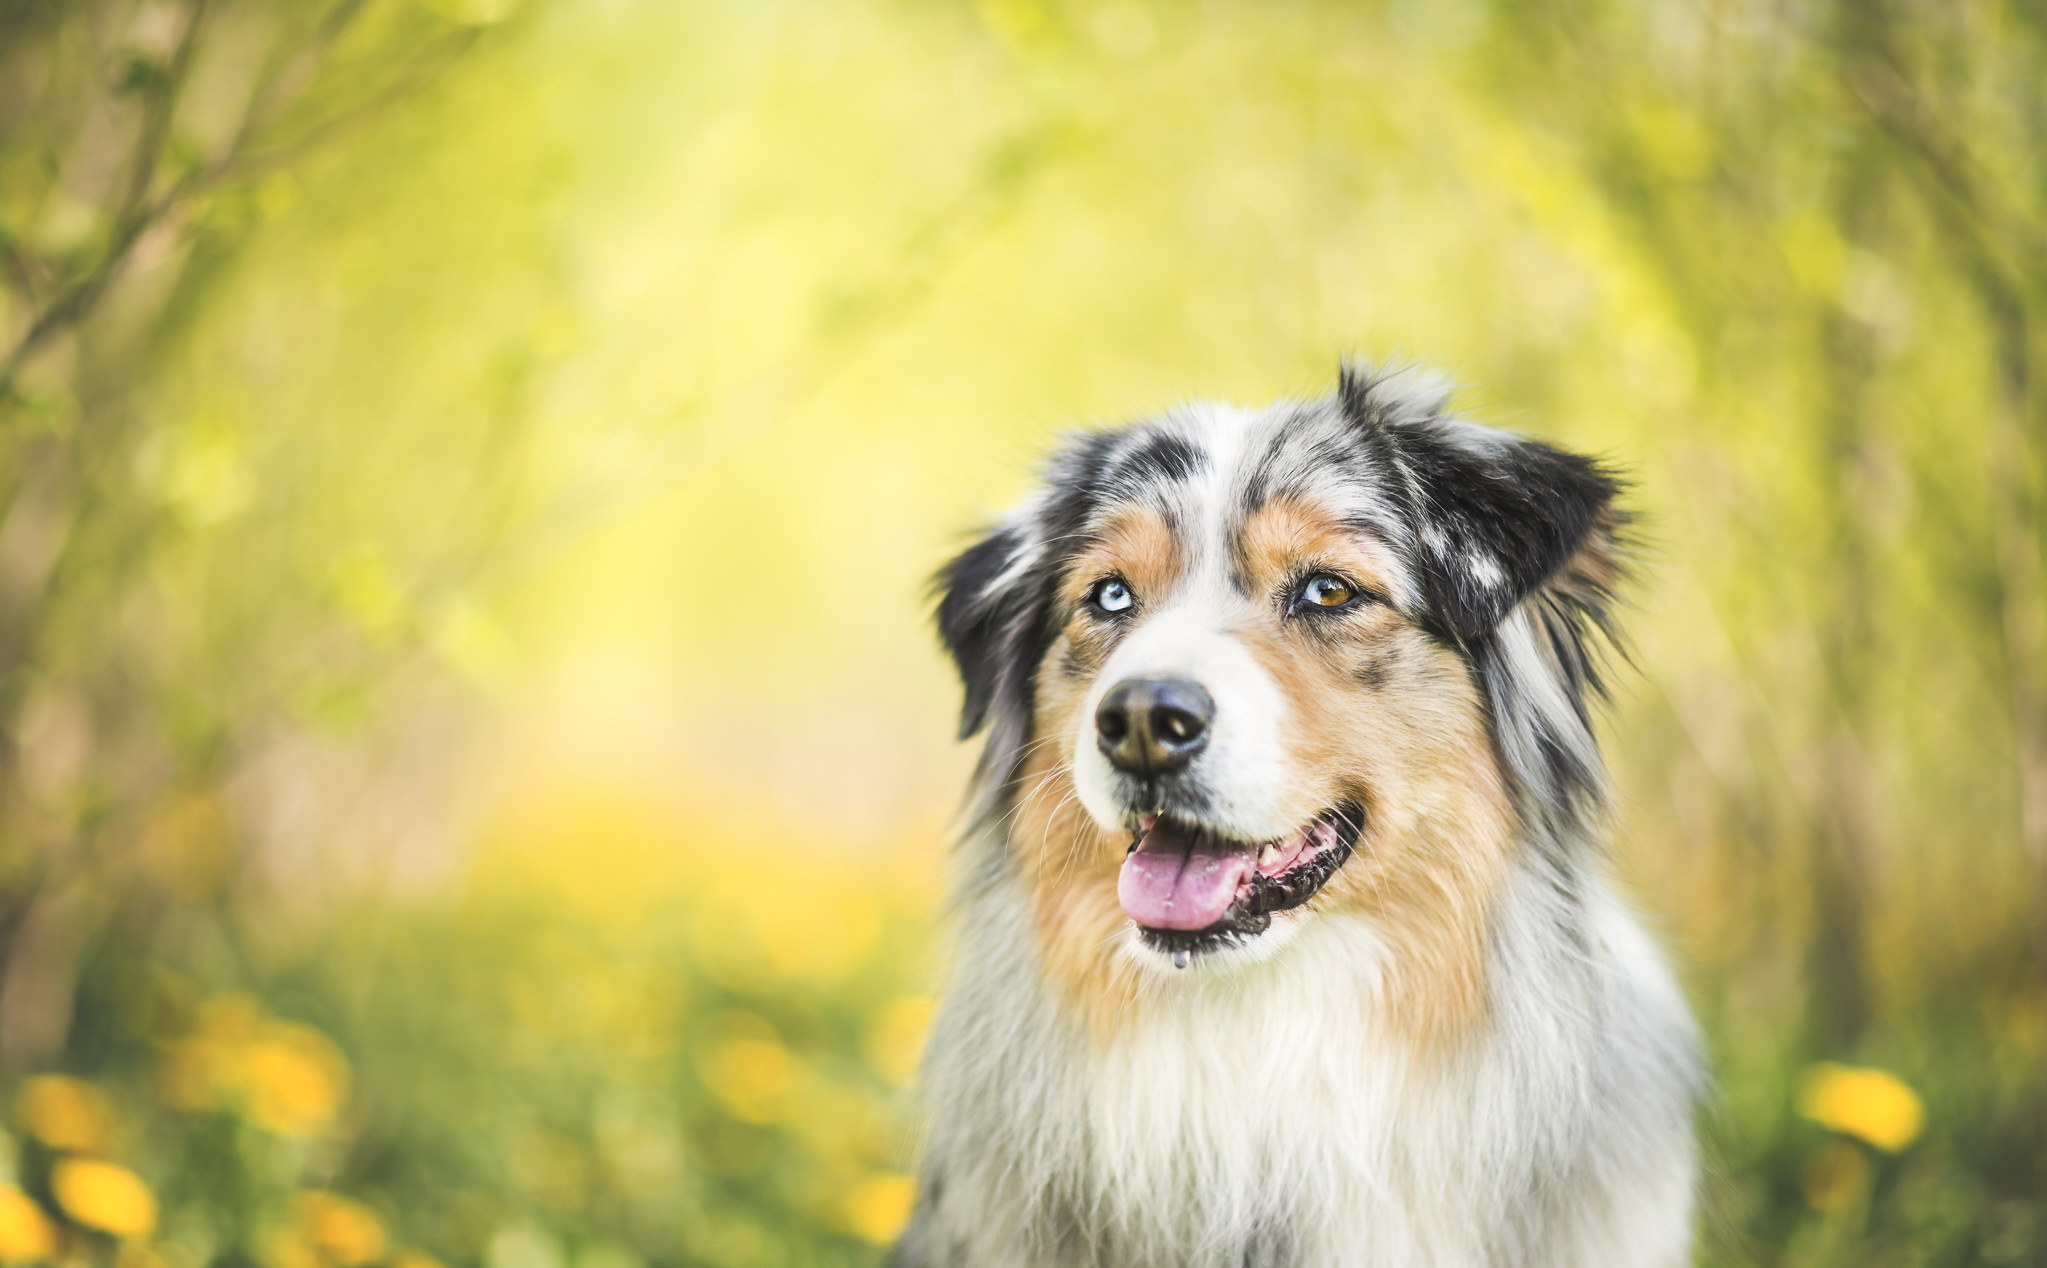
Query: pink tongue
{"points": [[1173, 882]]}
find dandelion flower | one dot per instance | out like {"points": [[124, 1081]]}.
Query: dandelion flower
{"points": [[1870, 1105], [877, 1208], [104, 1196], [346, 1231], [296, 1080], [752, 1077], [25, 1232], [66, 1113]]}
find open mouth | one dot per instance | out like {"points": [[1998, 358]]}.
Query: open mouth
{"points": [[1189, 890]]}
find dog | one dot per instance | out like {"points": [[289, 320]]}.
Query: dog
{"points": [[1284, 939]]}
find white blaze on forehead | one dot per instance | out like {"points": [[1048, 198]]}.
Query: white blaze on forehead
{"points": [[1225, 437], [1188, 633]]}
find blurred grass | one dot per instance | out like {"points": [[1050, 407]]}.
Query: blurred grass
{"points": [[638, 1057], [476, 772]]}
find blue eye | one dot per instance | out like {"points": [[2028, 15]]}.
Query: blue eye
{"points": [[1112, 596], [1325, 591]]}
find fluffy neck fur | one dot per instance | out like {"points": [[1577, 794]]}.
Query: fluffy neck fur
{"points": [[1265, 1117]]}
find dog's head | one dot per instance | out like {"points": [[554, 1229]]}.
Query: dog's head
{"points": [[1243, 667]]}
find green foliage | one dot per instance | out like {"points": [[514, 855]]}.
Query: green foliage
{"points": [[474, 766]]}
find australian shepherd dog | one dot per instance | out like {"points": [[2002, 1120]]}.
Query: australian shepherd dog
{"points": [[1284, 939]]}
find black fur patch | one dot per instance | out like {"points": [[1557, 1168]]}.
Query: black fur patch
{"points": [[997, 633], [1286, 459], [1372, 672], [979, 624], [1497, 515], [1160, 458]]}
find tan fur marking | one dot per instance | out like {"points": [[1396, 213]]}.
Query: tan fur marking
{"points": [[1414, 749], [1068, 863], [1287, 535], [1136, 545], [1069, 866]]}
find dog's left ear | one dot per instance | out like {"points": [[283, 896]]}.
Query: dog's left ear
{"points": [[1501, 515]]}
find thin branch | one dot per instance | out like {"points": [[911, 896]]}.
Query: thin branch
{"points": [[248, 161], [136, 213], [285, 82], [1899, 109], [18, 264], [163, 108], [239, 161]]}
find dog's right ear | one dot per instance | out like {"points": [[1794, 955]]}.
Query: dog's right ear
{"points": [[994, 600], [987, 617]]}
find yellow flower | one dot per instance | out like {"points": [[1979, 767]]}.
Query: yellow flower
{"points": [[895, 1041], [66, 1113], [287, 1248], [25, 1232], [753, 1077], [296, 1080], [287, 1078], [205, 1070], [1871, 1105], [346, 1231], [877, 1208], [103, 1196]]}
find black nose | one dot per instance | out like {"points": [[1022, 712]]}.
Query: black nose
{"points": [[1149, 725]]}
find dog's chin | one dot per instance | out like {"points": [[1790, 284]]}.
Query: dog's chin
{"points": [[1192, 892]]}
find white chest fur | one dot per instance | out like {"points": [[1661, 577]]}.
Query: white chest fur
{"points": [[1262, 1116]]}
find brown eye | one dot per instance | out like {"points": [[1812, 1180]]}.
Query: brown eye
{"points": [[1325, 591]]}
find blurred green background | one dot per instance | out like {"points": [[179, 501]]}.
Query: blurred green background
{"points": [[474, 772]]}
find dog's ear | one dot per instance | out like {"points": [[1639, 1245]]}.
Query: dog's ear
{"points": [[1500, 514], [1508, 514], [986, 617], [993, 599]]}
